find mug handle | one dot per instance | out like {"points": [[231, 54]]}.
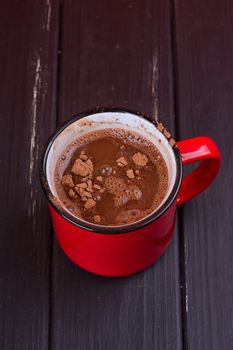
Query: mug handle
{"points": [[193, 150]]}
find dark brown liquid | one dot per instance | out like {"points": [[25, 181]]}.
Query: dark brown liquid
{"points": [[112, 178]]}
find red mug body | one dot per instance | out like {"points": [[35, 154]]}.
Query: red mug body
{"points": [[115, 254], [127, 249]]}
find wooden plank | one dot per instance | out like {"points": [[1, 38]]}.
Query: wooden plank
{"points": [[204, 81], [27, 116], [116, 53]]}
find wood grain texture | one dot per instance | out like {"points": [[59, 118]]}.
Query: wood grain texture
{"points": [[28, 42], [204, 66], [116, 53]]}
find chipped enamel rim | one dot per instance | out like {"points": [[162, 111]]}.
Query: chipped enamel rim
{"points": [[102, 118]]}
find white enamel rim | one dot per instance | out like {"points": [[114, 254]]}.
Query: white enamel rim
{"points": [[102, 118]]}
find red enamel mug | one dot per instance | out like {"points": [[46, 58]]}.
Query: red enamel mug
{"points": [[127, 249]]}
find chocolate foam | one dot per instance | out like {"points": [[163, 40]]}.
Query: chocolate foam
{"points": [[122, 192]]}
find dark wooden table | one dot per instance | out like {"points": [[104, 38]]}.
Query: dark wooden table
{"points": [[171, 59]]}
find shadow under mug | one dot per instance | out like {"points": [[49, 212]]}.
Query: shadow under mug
{"points": [[127, 249]]}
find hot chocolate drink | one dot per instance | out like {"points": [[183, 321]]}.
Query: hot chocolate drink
{"points": [[111, 177]]}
